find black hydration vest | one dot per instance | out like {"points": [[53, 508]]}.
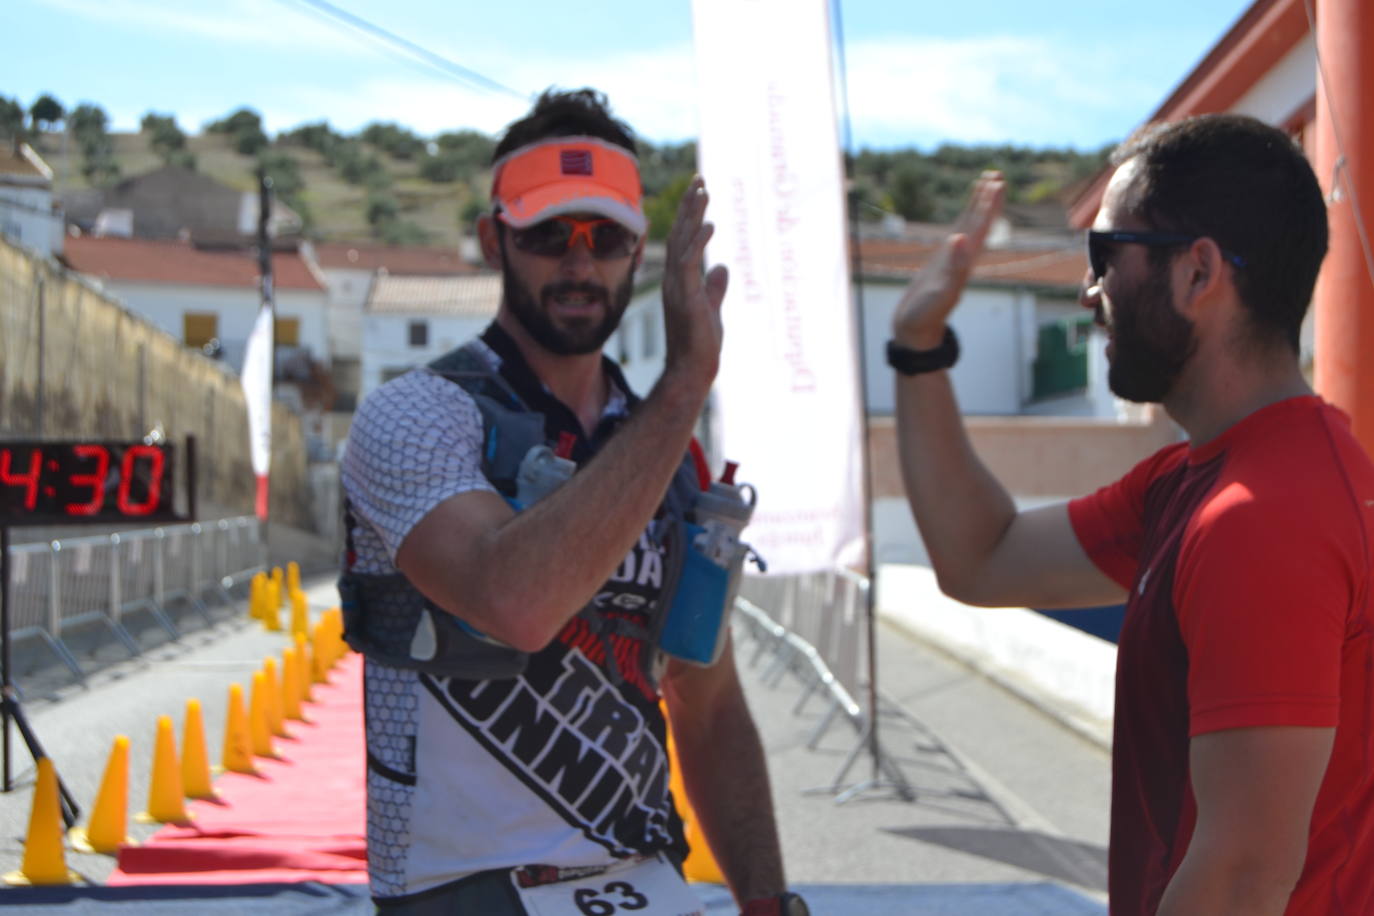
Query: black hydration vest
{"points": [[388, 620]]}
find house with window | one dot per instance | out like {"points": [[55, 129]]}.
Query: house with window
{"points": [[350, 269], [28, 216], [208, 298], [409, 320]]}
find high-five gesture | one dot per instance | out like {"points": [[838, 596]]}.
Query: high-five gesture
{"points": [[691, 298], [919, 321]]}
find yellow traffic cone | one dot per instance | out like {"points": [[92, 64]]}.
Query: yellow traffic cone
{"points": [[195, 761], [319, 671], [259, 725], [279, 581], [293, 576], [271, 607], [276, 718], [256, 593], [290, 685], [166, 800], [238, 756], [334, 627], [44, 862], [305, 668], [107, 829], [300, 612]]}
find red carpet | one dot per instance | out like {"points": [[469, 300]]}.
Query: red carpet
{"points": [[300, 819]]}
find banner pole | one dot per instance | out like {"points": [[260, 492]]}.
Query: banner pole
{"points": [[896, 782]]}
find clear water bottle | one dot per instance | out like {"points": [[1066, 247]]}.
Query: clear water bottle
{"points": [[543, 470]]}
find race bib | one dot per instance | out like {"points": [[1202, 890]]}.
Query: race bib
{"points": [[650, 887]]}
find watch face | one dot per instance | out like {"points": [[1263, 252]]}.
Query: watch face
{"points": [[792, 905]]}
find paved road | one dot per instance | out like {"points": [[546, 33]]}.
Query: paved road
{"points": [[1009, 813]]}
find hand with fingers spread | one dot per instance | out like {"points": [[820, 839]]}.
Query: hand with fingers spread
{"points": [[691, 298], [919, 320]]}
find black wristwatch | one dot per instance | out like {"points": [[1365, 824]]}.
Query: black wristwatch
{"points": [[913, 362]]}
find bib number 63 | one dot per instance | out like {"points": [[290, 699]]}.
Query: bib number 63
{"points": [[616, 897]]}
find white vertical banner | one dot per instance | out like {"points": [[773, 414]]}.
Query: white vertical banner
{"points": [[787, 396], [257, 393]]}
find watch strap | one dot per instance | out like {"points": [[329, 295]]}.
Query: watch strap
{"points": [[914, 362]]}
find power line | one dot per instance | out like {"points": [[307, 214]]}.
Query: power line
{"points": [[410, 49]]}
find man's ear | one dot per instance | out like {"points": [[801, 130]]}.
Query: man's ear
{"points": [[488, 235], [639, 252], [1205, 272]]}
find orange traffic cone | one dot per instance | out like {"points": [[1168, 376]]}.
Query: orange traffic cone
{"points": [[238, 756], [195, 761], [290, 685], [107, 829], [305, 665], [276, 718], [271, 605], [300, 612], [257, 594], [44, 862], [293, 576], [166, 800], [319, 654], [259, 725]]}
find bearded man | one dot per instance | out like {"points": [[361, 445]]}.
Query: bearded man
{"points": [[515, 519]]}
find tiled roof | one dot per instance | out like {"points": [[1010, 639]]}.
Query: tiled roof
{"points": [[148, 261], [22, 164], [1060, 266], [476, 295], [396, 259]]}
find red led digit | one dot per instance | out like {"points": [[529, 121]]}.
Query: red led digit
{"points": [[156, 461], [95, 480], [28, 480]]}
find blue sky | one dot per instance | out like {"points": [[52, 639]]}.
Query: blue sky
{"points": [[1063, 73]]}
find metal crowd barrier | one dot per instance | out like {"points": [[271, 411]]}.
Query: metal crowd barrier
{"points": [[61, 584], [812, 626]]}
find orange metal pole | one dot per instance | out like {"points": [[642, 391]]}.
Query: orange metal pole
{"points": [[1344, 299]]}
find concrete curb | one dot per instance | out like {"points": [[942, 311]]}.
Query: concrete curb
{"points": [[1065, 673]]}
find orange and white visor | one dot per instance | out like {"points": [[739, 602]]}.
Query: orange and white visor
{"points": [[563, 175]]}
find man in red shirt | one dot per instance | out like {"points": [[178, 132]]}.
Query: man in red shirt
{"points": [[1243, 763]]}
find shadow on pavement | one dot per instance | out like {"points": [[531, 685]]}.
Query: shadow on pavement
{"points": [[1083, 864]]}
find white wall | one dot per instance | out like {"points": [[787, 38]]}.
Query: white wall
{"points": [[164, 304], [348, 290], [27, 217], [996, 331], [1287, 86], [386, 343], [639, 343]]}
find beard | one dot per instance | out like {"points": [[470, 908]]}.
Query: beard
{"points": [[570, 337], [1152, 343]]}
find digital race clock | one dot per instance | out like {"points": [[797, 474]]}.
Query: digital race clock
{"points": [[64, 483]]}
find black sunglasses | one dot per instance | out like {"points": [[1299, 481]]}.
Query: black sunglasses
{"points": [[552, 238], [1099, 243]]}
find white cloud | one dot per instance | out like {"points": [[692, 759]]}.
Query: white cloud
{"points": [[988, 89]]}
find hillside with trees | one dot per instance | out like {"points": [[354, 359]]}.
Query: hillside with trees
{"points": [[388, 183]]}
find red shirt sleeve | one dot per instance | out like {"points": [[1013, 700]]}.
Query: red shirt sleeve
{"points": [[1263, 590], [1108, 523]]}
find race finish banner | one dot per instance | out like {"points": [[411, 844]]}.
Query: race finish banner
{"points": [[787, 402]]}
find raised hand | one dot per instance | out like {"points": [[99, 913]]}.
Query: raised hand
{"points": [[919, 320], [691, 298]]}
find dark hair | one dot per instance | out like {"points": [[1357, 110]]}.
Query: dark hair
{"points": [[566, 113], [1249, 188]]}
